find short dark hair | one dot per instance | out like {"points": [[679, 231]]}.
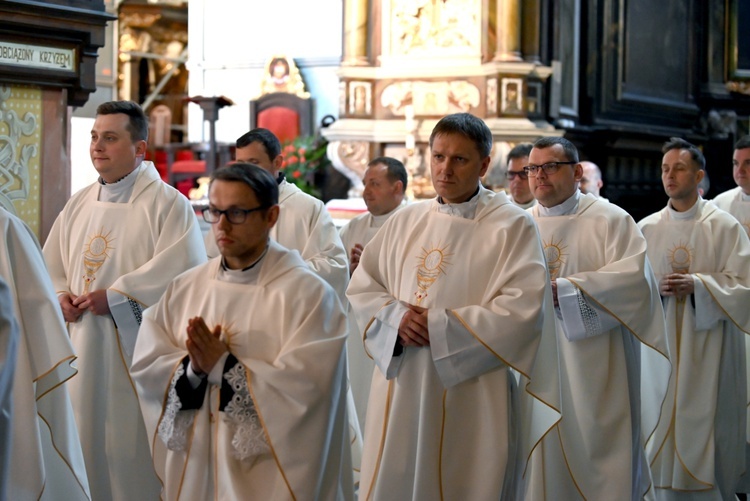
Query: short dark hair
{"points": [[743, 143], [137, 124], [677, 143], [467, 125], [569, 149], [258, 179], [396, 170], [263, 136], [521, 150]]}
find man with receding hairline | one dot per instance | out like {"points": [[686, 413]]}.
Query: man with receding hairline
{"points": [[700, 255], [608, 319], [451, 294]]}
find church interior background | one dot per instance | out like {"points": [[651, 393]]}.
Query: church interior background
{"points": [[616, 77]]}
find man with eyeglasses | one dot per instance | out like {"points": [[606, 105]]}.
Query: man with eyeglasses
{"points": [[304, 223], [518, 180], [700, 255], [608, 319], [452, 294], [111, 253], [241, 367]]}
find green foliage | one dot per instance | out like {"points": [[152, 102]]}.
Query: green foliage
{"points": [[305, 157]]}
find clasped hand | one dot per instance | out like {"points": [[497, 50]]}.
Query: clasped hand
{"points": [[203, 345], [413, 330], [676, 284]]}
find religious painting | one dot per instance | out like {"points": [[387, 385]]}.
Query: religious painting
{"points": [[282, 75], [360, 98], [511, 96]]}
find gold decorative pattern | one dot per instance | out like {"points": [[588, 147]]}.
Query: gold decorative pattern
{"points": [[680, 256], [555, 254], [20, 143], [432, 264], [94, 255]]}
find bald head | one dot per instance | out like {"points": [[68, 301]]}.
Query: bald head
{"points": [[591, 182]]}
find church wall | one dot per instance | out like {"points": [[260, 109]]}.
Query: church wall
{"points": [[228, 54]]}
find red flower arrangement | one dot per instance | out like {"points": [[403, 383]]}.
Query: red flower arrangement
{"points": [[303, 158]]}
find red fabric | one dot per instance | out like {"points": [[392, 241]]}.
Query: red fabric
{"points": [[185, 186], [283, 122], [189, 166]]}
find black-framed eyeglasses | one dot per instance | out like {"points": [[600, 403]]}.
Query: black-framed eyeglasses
{"points": [[512, 175], [548, 168], [233, 215]]}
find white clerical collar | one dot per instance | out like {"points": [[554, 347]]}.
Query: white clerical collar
{"points": [[526, 205], [247, 275], [120, 190], [466, 210], [685, 215], [743, 196], [378, 221], [570, 206]]}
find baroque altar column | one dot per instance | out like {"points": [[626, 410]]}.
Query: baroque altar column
{"points": [[530, 40], [508, 31], [355, 33]]}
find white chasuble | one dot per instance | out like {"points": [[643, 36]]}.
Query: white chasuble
{"points": [[442, 421], [700, 441], [46, 457], [360, 230], [608, 410], [9, 339], [136, 249], [736, 203], [288, 332]]}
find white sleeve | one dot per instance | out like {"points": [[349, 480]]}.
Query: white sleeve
{"points": [[126, 313], [581, 318], [707, 312], [381, 338]]}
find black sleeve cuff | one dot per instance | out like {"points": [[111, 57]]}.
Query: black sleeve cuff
{"points": [[227, 392], [190, 398]]}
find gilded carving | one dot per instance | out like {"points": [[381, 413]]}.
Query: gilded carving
{"points": [[20, 118], [434, 26], [430, 98]]}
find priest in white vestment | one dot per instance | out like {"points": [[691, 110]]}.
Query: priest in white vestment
{"points": [[385, 182], [241, 367], [306, 226], [737, 202], [518, 180], [609, 319], [700, 255], [111, 253], [304, 223], [9, 340], [452, 293], [46, 457]]}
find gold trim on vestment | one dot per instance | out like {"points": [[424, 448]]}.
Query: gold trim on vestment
{"points": [[69, 359], [265, 431], [372, 319], [64, 459], [440, 453], [382, 440], [708, 289], [567, 464], [128, 296]]}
